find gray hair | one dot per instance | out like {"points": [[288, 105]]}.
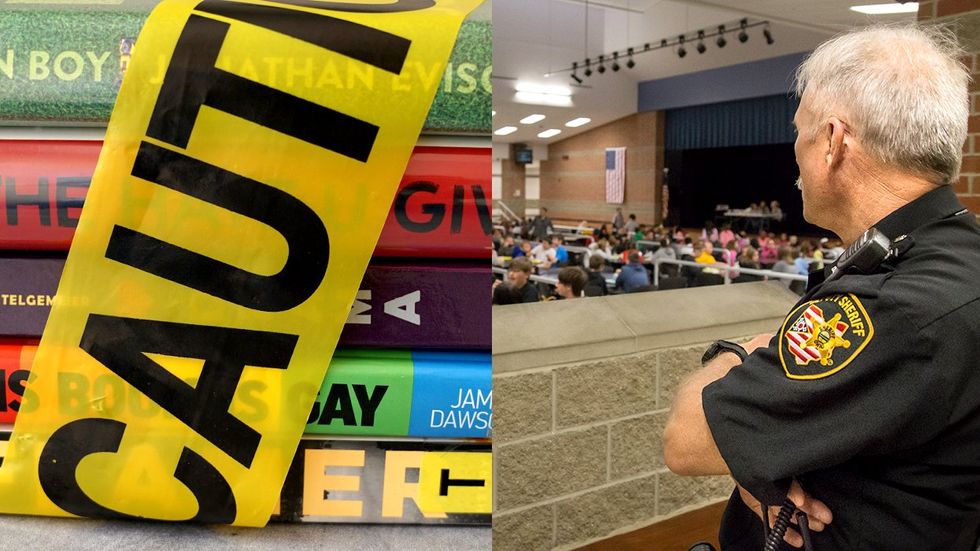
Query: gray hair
{"points": [[902, 91]]}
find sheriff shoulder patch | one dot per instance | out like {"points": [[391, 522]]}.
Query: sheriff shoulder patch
{"points": [[820, 337]]}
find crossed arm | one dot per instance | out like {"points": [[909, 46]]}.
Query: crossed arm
{"points": [[690, 449]]}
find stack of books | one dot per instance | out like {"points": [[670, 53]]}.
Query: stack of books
{"points": [[407, 400]]}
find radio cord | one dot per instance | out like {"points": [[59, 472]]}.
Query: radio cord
{"points": [[775, 536]]}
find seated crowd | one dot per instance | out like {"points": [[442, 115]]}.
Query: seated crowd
{"points": [[621, 256]]}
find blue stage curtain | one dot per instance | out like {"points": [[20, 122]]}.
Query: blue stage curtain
{"points": [[756, 121]]}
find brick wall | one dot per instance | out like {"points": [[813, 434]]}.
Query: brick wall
{"points": [[512, 191], [965, 16], [580, 408], [573, 178]]}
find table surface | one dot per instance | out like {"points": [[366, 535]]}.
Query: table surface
{"points": [[42, 533]]}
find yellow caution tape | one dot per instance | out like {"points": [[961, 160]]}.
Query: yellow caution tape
{"points": [[229, 222]]}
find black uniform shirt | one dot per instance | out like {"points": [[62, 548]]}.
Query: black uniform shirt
{"points": [[869, 395]]}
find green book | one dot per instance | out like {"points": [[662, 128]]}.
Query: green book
{"points": [[61, 64]]}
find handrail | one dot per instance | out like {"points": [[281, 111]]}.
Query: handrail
{"points": [[511, 215], [548, 280], [726, 268], [656, 271]]}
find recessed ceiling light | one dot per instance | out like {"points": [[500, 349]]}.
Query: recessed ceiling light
{"points": [[574, 123], [505, 130], [535, 98], [549, 133], [552, 89], [531, 119], [883, 9]]}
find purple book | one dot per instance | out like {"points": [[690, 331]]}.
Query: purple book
{"points": [[422, 306], [398, 306]]}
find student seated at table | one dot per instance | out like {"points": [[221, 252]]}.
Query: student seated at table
{"points": [[633, 275], [507, 246], [665, 251], [523, 250], [725, 235], [768, 253], [749, 258], [785, 264], [596, 284], [686, 248], [804, 259], [519, 273], [705, 256], [602, 248], [710, 232], [561, 254], [602, 232], [543, 255], [571, 282]]}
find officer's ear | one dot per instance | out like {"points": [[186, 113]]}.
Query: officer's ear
{"points": [[837, 138]]}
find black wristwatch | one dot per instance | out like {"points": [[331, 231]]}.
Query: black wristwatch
{"points": [[718, 347]]}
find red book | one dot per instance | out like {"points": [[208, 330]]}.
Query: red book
{"points": [[442, 208], [16, 357]]}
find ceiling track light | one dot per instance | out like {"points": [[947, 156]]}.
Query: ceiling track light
{"points": [[575, 76], [680, 42]]}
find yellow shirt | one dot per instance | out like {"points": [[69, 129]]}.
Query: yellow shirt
{"points": [[705, 258]]}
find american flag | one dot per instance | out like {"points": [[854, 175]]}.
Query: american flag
{"points": [[800, 333], [615, 174]]}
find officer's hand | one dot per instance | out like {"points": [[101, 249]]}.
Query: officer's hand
{"points": [[761, 341], [818, 514]]}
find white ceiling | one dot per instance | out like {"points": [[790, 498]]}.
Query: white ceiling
{"points": [[532, 38]]}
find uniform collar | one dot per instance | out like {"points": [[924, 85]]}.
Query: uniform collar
{"points": [[934, 205]]}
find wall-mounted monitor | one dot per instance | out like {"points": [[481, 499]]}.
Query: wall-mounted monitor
{"points": [[524, 156]]}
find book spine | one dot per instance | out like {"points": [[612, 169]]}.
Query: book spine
{"points": [[434, 306], [442, 208], [388, 482], [27, 289], [396, 482], [15, 366], [376, 393], [424, 306], [64, 66], [402, 393]]}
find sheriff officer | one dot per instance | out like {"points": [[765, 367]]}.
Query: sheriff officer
{"points": [[865, 406]]}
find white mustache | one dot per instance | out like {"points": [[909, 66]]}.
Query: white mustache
{"points": [[799, 183]]}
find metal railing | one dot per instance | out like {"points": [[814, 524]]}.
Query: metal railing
{"points": [[509, 214], [611, 278], [767, 274]]}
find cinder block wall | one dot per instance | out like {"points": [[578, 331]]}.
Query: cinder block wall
{"points": [[582, 391]]}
